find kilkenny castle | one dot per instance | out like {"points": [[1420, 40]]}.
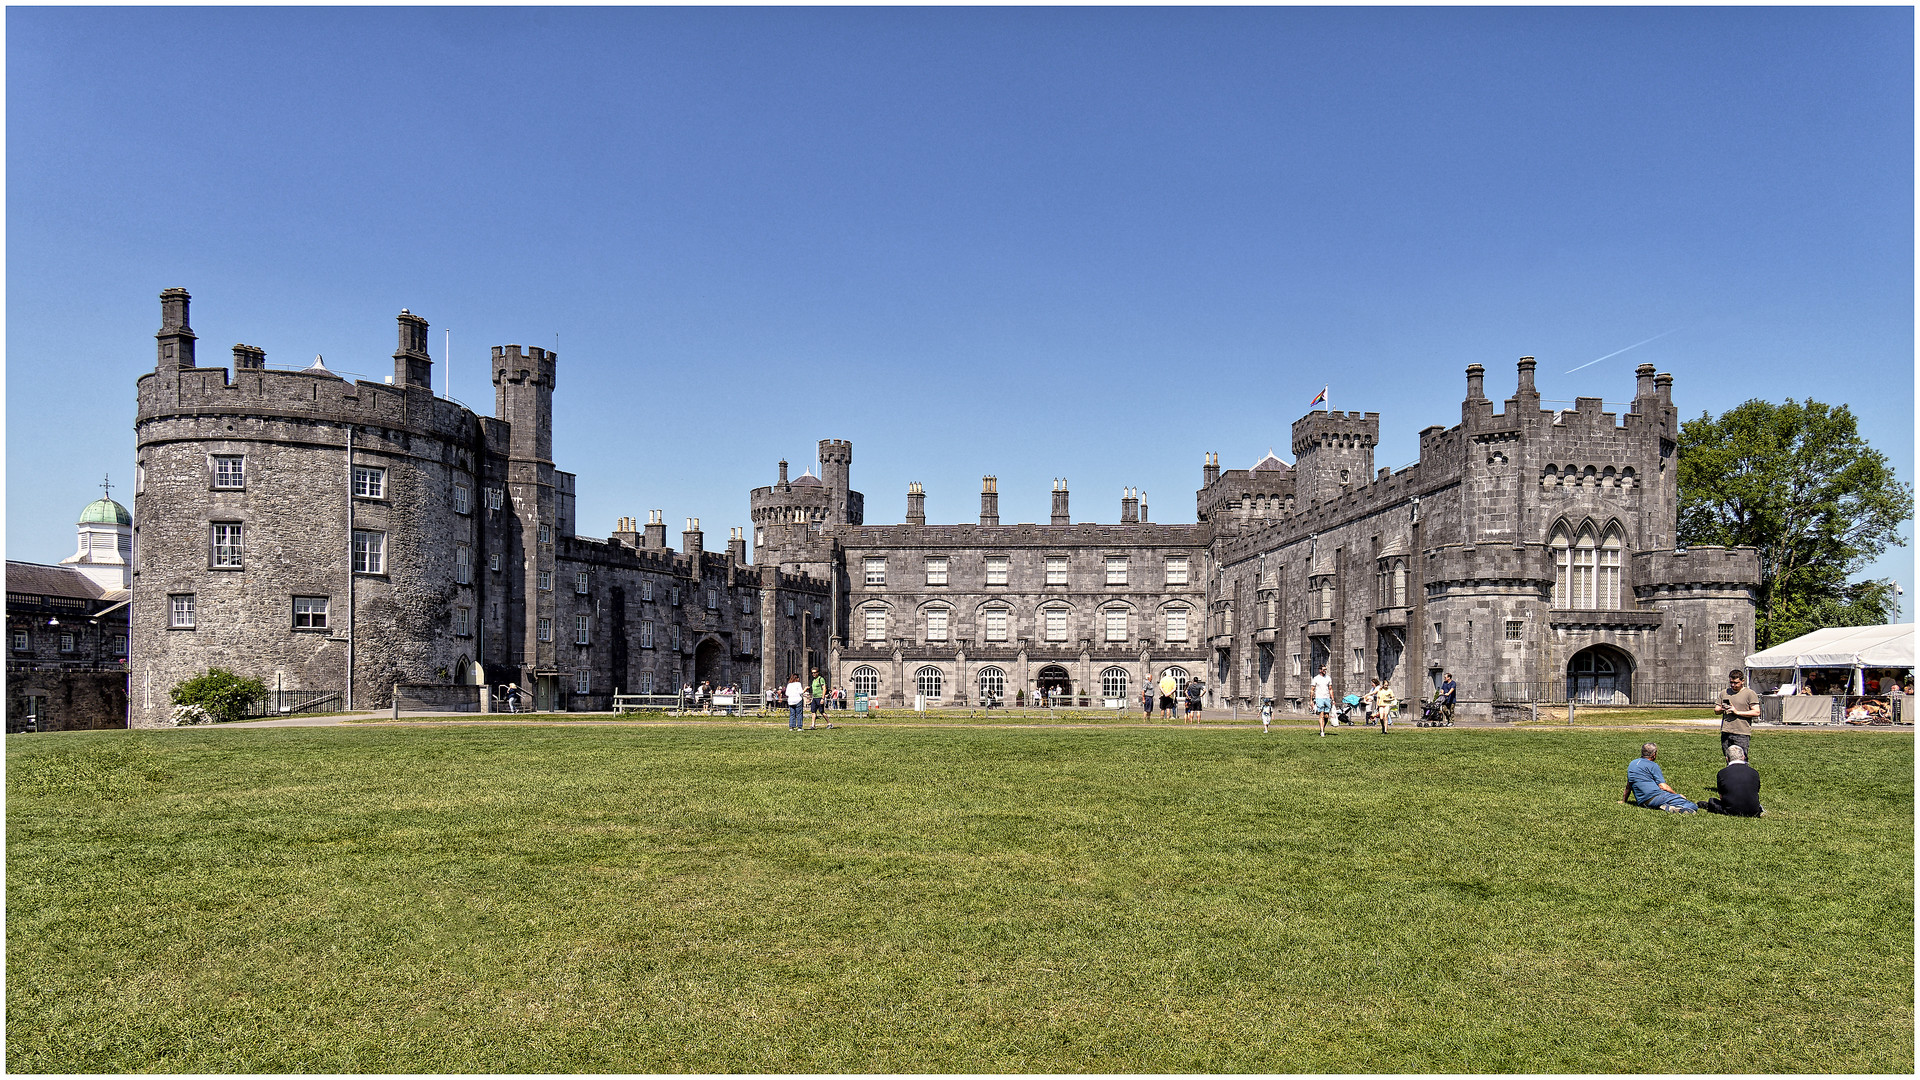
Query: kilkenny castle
{"points": [[373, 538]]}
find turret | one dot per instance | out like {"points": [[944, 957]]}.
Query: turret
{"points": [[989, 500], [411, 364], [523, 397], [916, 504], [175, 336], [1333, 454], [836, 469], [249, 357], [656, 531], [1060, 514]]}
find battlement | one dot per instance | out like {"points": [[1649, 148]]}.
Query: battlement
{"points": [[1327, 429], [836, 451], [1698, 567], [301, 396], [1143, 534], [535, 367]]}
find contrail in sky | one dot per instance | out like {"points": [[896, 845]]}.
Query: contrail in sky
{"points": [[1617, 352]]}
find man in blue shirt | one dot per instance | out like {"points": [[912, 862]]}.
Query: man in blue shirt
{"points": [[1647, 785], [1447, 692]]}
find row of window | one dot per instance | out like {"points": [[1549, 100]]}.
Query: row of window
{"points": [[993, 623], [930, 681], [874, 570], [369, 482], [23, 642]]}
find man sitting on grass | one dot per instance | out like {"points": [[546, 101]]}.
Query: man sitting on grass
{"points": [[1647, 785], [1739, 788]]}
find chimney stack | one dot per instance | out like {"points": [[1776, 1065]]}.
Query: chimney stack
{"points": [[1663, 387], [1476, 383], [411, 364], [1129, 507], [1524, 395], [783, 474], [1642, 383], [175, 336], [656, 531], [1060, 515], [1210, 469], [1143, 508], [916, 504], [249, 357], [737, 547], [691, 539], [989, 501]]}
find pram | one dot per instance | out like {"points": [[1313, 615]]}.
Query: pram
{"points": [[1433, 714], [1349, 708]]}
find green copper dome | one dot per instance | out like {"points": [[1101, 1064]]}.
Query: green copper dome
{"points": [[105, 512]]}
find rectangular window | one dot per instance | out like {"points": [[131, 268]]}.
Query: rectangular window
{"points": [[543, 580], [462, 621], [580, 583], [1116, 624], [493, 562], [310, 612], [462, 499], [1116, 569], [1726, 633], [676, 639], [936, 624], [646, 590], [1514, 629], [369, 482], [713, 600], [996, 569], [543, 630], [1293, 664], [876, 619], [876, 571], [583, 629], [746, 604], [746, 643], [462, 564], [1056, 569], [937, 570], [119, 644], [582, 683], [226, 544], [673, 594], [180, 610], [646, 635], [546, 534], [493, 498], [1609, 598], [1056, 624], [1176, 569], [996, 624], [229, 471], [66, 642], [21, 640], [1176, 624], [790, 608], [646, 682], [369, 552], [1326, 598]]}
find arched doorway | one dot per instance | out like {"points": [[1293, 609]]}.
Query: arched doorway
{"points": [[706, 662], [1600, 675], [1053, 677]]}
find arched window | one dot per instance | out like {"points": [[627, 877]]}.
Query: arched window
{"points": [[1581, 584], [1562, 563], [993, 684], [1609, 583], [1113, 683], [1179, 677], [866, 680], [928, 681]]}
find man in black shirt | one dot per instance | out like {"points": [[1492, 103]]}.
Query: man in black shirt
{"points": [[1739, 787]]}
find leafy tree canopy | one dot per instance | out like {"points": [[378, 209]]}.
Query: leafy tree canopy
{"points": [[224, 695], [1796, 481]]}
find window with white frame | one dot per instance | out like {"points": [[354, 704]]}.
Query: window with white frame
{"points": [[1293, 664], [646, 635], [936, 624], [746, 603], [543, 630], [582, 683], [494, 498], [1113, 683], [229, 471], [310, 612], [1116, 569], [713, 600], [462, 621], [546, 534], [996, 569], [993, 684], [1726, 633], [1586, 568], [226, 544], [66, 642], [929, 681], [369, 482], [673, 596], [646, 590], [119, 644], [790, 607], [1056, 569], [1176, 569], [21, 640], [996, 624], [582, 582], [876, 623], [543, 580], [936, 570], [1116, 624], [1056, 623], [646, 682], [1176, 624], [676, 639], [369, 552], [746, 643], [1609, 584], [866, 680], [876, 571], [462, 564], [462, 499], [583, 629]]}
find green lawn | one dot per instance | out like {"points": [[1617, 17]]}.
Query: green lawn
{"points": [[664, 899]]}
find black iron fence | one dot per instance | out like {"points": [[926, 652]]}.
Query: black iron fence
{"points": [[288, 702]]}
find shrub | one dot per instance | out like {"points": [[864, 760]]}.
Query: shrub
{"points": [[220, 695]]}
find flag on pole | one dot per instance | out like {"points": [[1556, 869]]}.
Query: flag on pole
{"points": [[1319, 399]]}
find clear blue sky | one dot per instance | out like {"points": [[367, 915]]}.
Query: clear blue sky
{"points": [[1083, 243]]}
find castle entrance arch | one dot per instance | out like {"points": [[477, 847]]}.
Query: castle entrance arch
{"points": [[1053, 677], [706, 661], [1600, 675]]}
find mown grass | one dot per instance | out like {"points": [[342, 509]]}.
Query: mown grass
{"points": [[900, 900]]}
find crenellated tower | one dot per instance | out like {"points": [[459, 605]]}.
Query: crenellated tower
{"points": [[1333, 454]]}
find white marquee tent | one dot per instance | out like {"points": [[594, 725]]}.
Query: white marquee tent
{"points": [[1842, 646]]}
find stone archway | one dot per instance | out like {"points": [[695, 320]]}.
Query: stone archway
{"points": [[1600, 675], [707, 662], [1051, 677]]}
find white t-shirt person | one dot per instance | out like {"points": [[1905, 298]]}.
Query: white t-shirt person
{"points": [[796, 693], [1322, 689]]}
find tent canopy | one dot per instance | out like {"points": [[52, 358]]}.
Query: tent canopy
{"points": [[1842, 646]]}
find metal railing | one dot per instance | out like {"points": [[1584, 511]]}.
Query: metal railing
{"points": [[1638, 694], [286, 702]]}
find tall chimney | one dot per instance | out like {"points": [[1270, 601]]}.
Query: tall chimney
{"points": [[916, 504], [656, 531], [1210, 470], [1663, 387], [1143, 508], [1060, 515], [249, 357], [1642, 383], [737, 547], [1524, 394], [989, 501], [1476, 383], [690, 540], [783, 474], [175, 337], [1129, 507], [411, 364]]}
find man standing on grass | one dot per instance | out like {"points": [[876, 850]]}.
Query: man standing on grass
{"points": [[1448, 691], [1739, 787], [819, 689], [1738, 707], [1323, 698], [1647, 785], [796, 701], [1169, 687], [1146, 700]]}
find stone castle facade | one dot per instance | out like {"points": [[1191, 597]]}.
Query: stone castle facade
{"points": [[296, 526]]}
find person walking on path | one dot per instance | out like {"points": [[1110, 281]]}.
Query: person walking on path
{"points": [[1448, 691], [1738, 707], [796, 702], [1323, 698]]}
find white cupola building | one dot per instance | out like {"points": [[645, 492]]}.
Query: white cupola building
{"points": [[105, 552]]}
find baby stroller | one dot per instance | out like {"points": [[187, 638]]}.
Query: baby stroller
{"points": [[1433, 714], [1349, 709]]}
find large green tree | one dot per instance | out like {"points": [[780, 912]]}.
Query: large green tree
{"points": [[1797, 481]]}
